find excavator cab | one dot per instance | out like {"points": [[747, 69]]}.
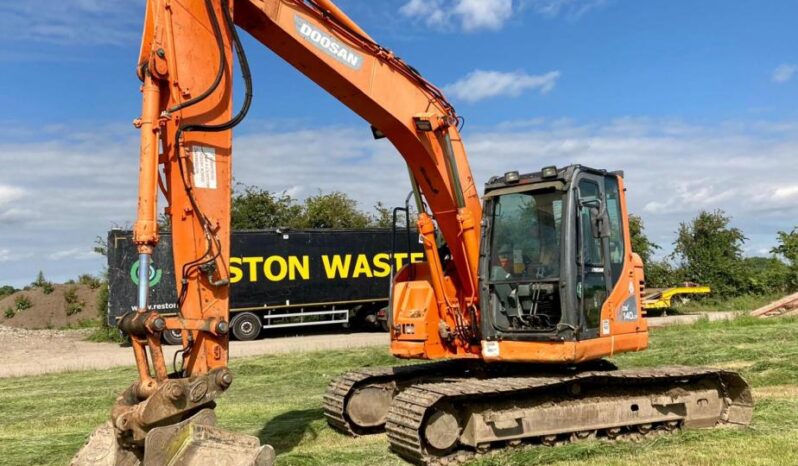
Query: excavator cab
{"points": [[552, 253]]}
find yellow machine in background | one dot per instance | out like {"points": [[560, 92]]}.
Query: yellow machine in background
{"points": [[661, 299]]}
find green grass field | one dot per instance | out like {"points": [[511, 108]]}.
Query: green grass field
{"points": [[746, 302], [45, 419]]}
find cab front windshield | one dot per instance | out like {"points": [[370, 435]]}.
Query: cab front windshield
{"points": [[525, 238]]}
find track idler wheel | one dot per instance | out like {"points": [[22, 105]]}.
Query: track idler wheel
{"points": [[368, 406], [442, 431]]}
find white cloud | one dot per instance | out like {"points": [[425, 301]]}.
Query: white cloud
{"points": [[483, 14], [9, 194], [570, 9], [332, 159], [84, 22], [479, 84], [13, 208], [16, 216], [64, 195], [786, 192], [5, 254], [73, 254], [470, 15], [673, 169], [784, 73]]}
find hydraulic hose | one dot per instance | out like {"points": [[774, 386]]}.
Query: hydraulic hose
{"points": [[218, 79], [247, 77]]}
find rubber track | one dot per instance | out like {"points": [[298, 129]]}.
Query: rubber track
{"points": [[339, 389], [409, 409]]}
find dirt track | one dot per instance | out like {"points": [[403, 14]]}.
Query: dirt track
{"points": [[33, 352]]}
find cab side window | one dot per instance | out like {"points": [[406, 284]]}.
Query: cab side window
{"points": [[613, 203], [589, 191], [592, 288]]}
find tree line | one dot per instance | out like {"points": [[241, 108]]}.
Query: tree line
{"points": [[255, 208], [709, 251]]}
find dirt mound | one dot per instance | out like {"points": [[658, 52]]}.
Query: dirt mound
{"points": [[33, 309]]}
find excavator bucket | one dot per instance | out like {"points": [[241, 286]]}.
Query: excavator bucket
{"points": [[193, 442]]}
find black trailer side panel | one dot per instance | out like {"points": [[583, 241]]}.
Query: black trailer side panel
{"points": [[271, 269], [123, 269]]}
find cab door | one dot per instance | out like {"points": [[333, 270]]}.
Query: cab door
{"points": [[593, 269]]}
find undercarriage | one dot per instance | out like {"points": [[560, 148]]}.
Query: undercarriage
{"points": [[446, 413]]}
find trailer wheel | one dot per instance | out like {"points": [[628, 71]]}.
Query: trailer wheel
{"points": [[246, 326], [172, 337]]}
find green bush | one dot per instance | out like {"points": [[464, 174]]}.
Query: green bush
{"points": [[788, 249], [765, 275], [253, 208], [73, 303], [102, 303], [90, 281], [74, 308], [710, 251], [40, 280], [662, 274], [47, 288], [105, 332], [7, 290], [22, 302], [10, 313], [71, 295]]}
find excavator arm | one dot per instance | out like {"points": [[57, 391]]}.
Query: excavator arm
{"points": [[186, 122], [566, 291], [186, 129], [323, 43]]}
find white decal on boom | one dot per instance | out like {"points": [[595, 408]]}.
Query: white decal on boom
{"points": [[204, 161], [328, 44]]}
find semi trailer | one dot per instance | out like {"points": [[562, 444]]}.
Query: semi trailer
{"points": [[280, 278]]}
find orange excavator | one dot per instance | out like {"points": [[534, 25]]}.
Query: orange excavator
{"points": [[520, 298]]}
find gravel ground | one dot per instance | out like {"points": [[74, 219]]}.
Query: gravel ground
{"points": [[33, 352]]}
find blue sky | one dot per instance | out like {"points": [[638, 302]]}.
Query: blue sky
{"points": [[694, 100]]}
